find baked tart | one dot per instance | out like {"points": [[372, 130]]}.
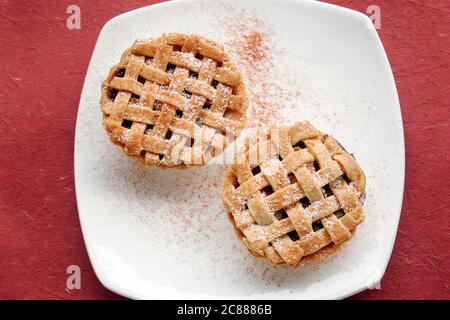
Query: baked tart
{"points": [[294, 194], [174, 101]]}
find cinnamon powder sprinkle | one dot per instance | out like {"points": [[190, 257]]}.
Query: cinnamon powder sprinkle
{"points": [[251, 43]]}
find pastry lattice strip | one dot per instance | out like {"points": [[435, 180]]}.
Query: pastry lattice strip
{"points": [[167, 93], [294, 193]]}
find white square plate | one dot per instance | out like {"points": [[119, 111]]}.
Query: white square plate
{"points": [[161, 234]]}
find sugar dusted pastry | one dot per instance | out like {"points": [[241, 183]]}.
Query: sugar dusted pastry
{"points": [[294, 195], [174, 101]]}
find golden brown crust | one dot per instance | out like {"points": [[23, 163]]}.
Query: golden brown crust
{"points": [[174, 101], [295, 195]]}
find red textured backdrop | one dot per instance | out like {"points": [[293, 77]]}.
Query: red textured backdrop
{"points": [[43, 65]]}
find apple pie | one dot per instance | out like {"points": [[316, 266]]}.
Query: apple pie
{"points": [[294, 194], [174, 101]]}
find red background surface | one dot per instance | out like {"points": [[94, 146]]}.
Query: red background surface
{"points": [[43, 65]]}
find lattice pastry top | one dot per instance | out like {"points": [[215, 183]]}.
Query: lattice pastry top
{"points": [[174, 101], [294, 195]]}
